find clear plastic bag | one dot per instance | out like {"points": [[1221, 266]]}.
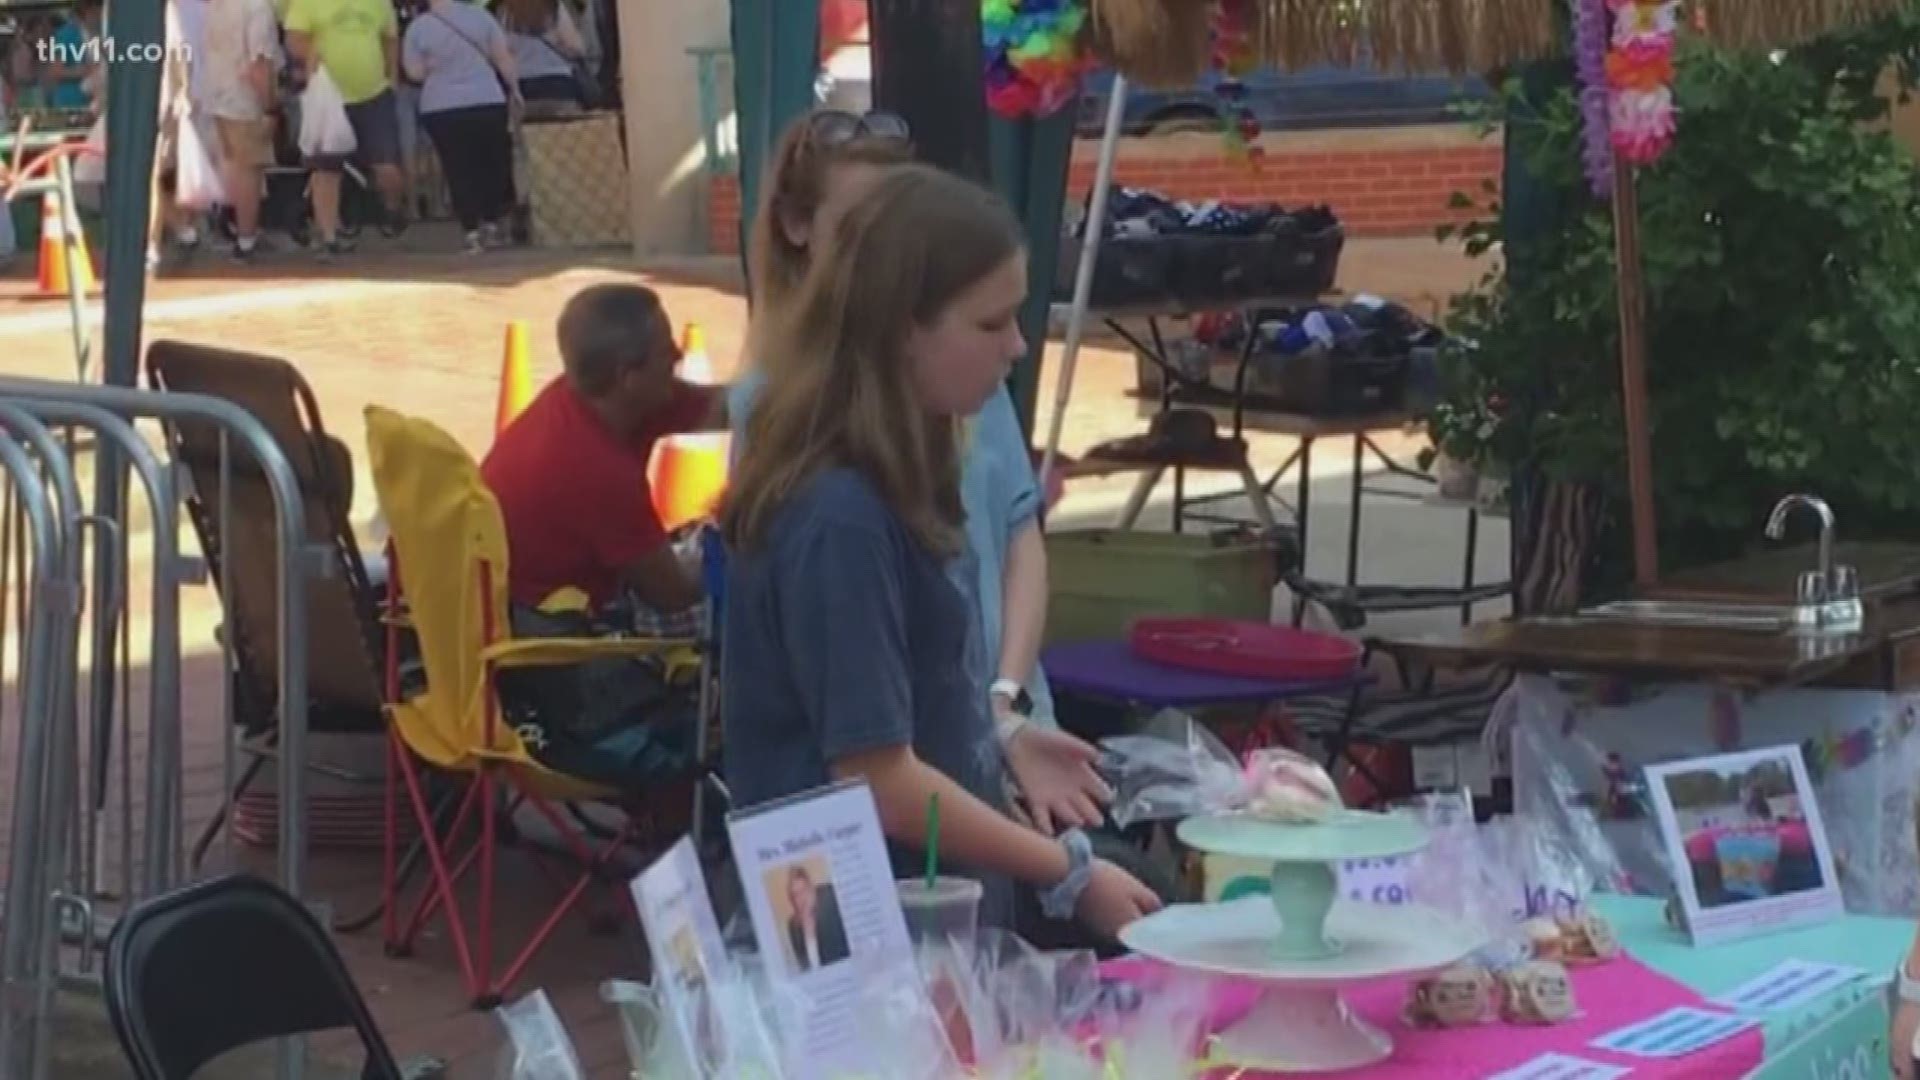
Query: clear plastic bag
{"points": [[1176, 768], [538, 1045], [198, 184], [1163, 1031], [324, 127], [718, 1029]]}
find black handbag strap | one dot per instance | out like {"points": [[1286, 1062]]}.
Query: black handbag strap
{"points": [[477, 47]]}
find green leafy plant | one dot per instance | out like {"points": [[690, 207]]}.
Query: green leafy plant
{"points": [[1781, 251]]}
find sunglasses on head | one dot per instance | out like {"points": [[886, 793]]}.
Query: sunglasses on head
{"points": [[836, 128]]}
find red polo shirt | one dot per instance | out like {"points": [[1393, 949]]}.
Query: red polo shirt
{"points": [[574, 495]]}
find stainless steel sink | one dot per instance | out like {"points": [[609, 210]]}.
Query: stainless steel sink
{"points": [[1831, 617], [1705, 614]]}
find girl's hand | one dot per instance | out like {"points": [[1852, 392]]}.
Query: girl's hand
{"points": [[1113, 899], [1056, 777], [1906, 1020]]}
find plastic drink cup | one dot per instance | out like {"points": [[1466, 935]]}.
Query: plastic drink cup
{"points": [[936, 915], [945, 913]]}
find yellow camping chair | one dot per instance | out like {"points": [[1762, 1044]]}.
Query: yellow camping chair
{"points": [[449, 582]]}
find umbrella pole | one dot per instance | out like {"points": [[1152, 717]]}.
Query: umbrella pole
{"points": [[1633, 377], [1095, 224]]}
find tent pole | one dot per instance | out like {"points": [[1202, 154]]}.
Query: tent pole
{"points": [[1094, 225], [1631, 286]]}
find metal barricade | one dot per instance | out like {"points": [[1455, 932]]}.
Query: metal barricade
{"points": [[58, 864]]}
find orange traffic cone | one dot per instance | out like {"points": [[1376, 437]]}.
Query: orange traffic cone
{"points": [[690, 470], [56, 224], [516, 381]]}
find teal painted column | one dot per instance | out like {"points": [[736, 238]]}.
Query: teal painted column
{"points": [[133, 96], [1030, 162], [776, 48]]}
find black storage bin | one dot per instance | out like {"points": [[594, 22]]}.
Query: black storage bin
{"points": [[1322, 383], [1128, 271], [1213, 271], [1306, 265]]}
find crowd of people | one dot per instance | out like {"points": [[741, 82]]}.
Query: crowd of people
{"points": [[234, 80], [886, 583]]}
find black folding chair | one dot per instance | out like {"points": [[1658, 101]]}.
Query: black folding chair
{"points": [[224, 964]]}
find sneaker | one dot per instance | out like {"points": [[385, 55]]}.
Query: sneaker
{"points": [[392, 226], [245, 248], [329, 250], [491, 236], [476, 242], [187, 239]]}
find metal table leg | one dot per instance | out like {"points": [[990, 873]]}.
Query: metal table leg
{"points": [[1303, 496], [1466, 576], [1356, 490]]}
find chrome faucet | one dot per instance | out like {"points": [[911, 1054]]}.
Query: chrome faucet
{"points": [[1827, 597], [1777, 526]]}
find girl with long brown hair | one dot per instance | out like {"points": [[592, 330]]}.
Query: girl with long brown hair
{"points": [[853, 642], [825, 164]]}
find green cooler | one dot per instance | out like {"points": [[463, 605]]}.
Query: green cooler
{"points": [[1103, 579]]}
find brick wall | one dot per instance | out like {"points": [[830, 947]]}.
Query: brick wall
{"points": [[1394, 182]]}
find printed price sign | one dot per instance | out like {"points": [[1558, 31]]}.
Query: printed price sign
{"points": [[1377, 881]]}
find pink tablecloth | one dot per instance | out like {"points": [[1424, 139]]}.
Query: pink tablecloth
{"points": [[1610, 995]]}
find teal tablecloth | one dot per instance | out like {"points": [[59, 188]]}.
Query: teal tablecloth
{"points": [[1867, 942]]}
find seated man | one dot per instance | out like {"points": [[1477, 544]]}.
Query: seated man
{"points": [[571, 472], [570, 475]]}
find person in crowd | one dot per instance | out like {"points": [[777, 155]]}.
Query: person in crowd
{"points": [[240, 67], [852, 640], [546, 45], [26, 59], [1904, 1045], [459, 56], [570, 472], [69, 62], [825, 164], [164, 212], [357, 41]]}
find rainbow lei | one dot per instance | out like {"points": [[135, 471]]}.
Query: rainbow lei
{"points": [[1639, 77], [1034, 55], [1234, 58]]}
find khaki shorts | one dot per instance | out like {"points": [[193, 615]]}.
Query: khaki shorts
{"points": [[246, 142]]}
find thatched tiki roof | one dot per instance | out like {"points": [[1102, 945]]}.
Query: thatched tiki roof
{"points": [[1166, 42]]}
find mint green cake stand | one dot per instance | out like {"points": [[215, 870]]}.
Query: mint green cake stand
{"points": [[1305, 857], [1302, 944]]}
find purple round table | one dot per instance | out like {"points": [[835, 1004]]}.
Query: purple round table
{"points": [[1109, 669]]}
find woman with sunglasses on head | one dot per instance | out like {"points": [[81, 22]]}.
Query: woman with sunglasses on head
{"points": [[825, 164], [853, 643]]}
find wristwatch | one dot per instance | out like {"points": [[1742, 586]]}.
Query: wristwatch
{"points": [[1019, 708], [1060, 901]]}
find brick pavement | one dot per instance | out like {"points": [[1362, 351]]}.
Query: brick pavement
{"points": [[422, 334]]}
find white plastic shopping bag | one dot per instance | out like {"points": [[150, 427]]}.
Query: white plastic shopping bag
{"points": [[324, 128], [198, 184], [90, 165]]}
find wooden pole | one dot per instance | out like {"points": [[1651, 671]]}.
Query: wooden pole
{"points": [[1633, 377]]}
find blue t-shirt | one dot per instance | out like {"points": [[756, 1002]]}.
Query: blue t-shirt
{"points": [[450, 48], [844, 635], [1001, 497], [68, 38]]}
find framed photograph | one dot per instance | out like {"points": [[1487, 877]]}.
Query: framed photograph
{"points": [[1743, 834]]}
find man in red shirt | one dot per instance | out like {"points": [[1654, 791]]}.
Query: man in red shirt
{"points": [[571, 472]]}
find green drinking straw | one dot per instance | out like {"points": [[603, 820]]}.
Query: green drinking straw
{"points": [[933, 839]]}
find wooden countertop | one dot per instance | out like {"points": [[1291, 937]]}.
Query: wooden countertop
{"points": [[1885, 655]]}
